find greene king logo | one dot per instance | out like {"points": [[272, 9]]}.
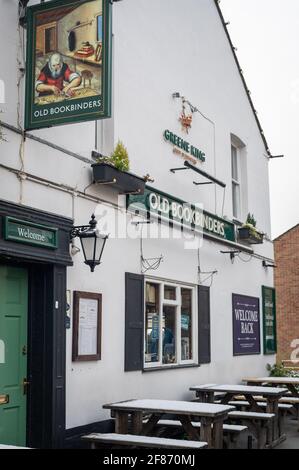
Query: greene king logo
{"points": [[2, 352]]}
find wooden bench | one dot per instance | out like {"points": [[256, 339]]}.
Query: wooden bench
{"points": [[288, 400], [257, 423], [232, 432], [98, 440]]}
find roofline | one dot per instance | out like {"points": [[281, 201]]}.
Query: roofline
{"points": [[284, 233], [243, 79]]}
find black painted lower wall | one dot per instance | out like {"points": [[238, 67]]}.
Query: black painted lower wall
{"points": [[73, 436]]}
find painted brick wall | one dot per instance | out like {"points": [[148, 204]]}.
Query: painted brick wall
{"points": [[287, 291]]}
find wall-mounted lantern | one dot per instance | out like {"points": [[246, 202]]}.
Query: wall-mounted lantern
{"points": [[92, 242]]}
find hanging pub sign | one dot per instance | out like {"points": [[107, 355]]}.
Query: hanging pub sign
{"points": [[246, 325], [269, 316], [68, 72], [173, 210]]}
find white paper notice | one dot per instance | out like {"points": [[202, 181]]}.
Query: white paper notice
{"points": [[88, 327]]}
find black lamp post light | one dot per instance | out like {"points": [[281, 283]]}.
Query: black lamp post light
{"points": [[92, 242]]}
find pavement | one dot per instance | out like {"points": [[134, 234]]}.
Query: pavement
{"points": [[292, 432]]}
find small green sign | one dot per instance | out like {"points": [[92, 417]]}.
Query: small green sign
{"points": [[269, 313], [185, 146], [187, 215], [34, 234]]}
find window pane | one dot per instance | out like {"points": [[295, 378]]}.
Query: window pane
{"points": [[235, 173], [169, 334], [152, 323], [170, 293], [186, 325], [236, 201]]}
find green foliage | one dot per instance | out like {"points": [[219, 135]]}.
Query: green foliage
{"points": [[279, 370], [251, 225], [251, 220], [119, 158]]}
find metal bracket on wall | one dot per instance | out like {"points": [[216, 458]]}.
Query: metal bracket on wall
{"points": [[231, 253], [267, 265]]}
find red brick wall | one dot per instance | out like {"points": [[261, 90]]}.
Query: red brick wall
{"points": [[287, 291]]}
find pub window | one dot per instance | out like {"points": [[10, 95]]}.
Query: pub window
{"points": [[236, 182], [239, 178], [169, 324]]}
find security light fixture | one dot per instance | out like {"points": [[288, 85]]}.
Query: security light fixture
{"points": [[92, 242], [269, 265]]}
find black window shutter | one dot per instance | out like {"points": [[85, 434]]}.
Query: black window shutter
{"points": [[204, 325], [134, 321]]}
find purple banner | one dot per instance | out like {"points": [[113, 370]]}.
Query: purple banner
{"points": [[246, 325]]}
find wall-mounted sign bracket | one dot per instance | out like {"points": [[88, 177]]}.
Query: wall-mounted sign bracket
{"points": [[174, 170], [212, 179], [202, 184], [206, 175]]}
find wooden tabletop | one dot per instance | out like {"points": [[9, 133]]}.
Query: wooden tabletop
{"points": [[273, 380], [241, 389], [174, 407]]}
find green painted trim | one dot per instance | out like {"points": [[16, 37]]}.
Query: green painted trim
{"points": [[268, 351], [105, 111], [230, 226], [26, 224]]}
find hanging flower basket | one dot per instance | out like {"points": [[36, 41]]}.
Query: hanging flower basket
{"points": [[123, 181], [251, 235]]}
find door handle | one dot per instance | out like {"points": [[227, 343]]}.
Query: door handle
{"points": [[25, 385], [4, 399]]}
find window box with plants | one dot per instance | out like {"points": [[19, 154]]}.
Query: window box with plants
{"points": [[114, 171], [249, 233]]}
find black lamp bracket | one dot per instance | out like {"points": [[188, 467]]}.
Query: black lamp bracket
{"points": [[79, 229]]}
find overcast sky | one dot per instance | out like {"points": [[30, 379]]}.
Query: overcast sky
{"points": [[266, 34]]}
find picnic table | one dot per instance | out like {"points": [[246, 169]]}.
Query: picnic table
{"points": [[206, 393], [289, 382], [211, 417]]}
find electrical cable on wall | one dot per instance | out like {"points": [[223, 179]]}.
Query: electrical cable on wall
{"points": [[210, 274], [148, 264], [21, 60]]}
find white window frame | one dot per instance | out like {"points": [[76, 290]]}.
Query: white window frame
{"points": [[237, 182], [174, 303]]}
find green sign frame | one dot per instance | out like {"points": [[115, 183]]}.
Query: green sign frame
{"points": [[269, 320], [43, 111], [21, 231], [172, 210]]}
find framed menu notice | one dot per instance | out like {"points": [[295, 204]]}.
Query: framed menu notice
{"points": [[87, 319]]}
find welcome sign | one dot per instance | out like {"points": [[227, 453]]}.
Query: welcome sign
{"points": [[246, 325], [68, 72], [26, 232]]}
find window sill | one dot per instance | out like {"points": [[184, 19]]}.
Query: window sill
{"points": [[164, 368]]}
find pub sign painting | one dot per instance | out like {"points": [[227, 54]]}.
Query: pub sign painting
{"points": [[246, 325], [68, 73]]}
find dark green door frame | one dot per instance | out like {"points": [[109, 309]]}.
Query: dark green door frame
{"points": [[46, 354]]}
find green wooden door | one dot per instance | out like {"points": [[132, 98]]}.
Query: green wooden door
{"points": [[13, 354]]}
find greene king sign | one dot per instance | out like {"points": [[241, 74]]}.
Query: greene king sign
{"points": [[187, 150], [186, 215]]}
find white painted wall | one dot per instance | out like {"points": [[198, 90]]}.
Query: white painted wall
{"points": [[159, 48]]}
